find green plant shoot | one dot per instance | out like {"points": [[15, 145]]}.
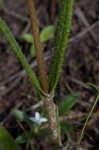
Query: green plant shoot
{"points": [[62, 33], [45, 35], [17, 50]]}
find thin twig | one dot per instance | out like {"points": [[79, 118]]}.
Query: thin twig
{"points": [[15, 15], [81, 16], [82, 84], [13, 85], [36, 106], [84, 32]]}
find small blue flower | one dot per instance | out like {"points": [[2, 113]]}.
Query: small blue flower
{"points": [[38, 119]]}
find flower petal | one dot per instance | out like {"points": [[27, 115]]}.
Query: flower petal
{"points": [[43, 120], [35, 120], [37, 115]]}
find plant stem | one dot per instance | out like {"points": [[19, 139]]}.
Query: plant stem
{"points": [[50, 106], [52, 118], [89, 115], [38, 46]]}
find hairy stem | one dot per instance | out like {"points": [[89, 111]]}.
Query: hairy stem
{"points": [[52, 118], [38, 46]]}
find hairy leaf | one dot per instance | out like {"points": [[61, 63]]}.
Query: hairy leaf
{"points": [[62, 33], [17, 50]]}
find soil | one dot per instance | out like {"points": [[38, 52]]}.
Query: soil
{"points": [[81, 64]]}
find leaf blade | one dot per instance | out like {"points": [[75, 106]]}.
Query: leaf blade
{"points": [[6, 141], [68, 103], [17, 50], [46, 33], [62, 33], [28, 38]]}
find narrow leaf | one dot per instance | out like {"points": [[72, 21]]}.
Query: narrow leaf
{"points": [[6, 141], [58, 128], [46, 33], [17, 50], [87, 119], [62, 33], [67, 103]]}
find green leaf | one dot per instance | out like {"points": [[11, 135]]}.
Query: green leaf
{"points": [[32, 51], [17, 50], [6, 141], [67, 127], [28, 38], [20, 115], [46, 33], [62, 33], [67, 103], [21, 139]]}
